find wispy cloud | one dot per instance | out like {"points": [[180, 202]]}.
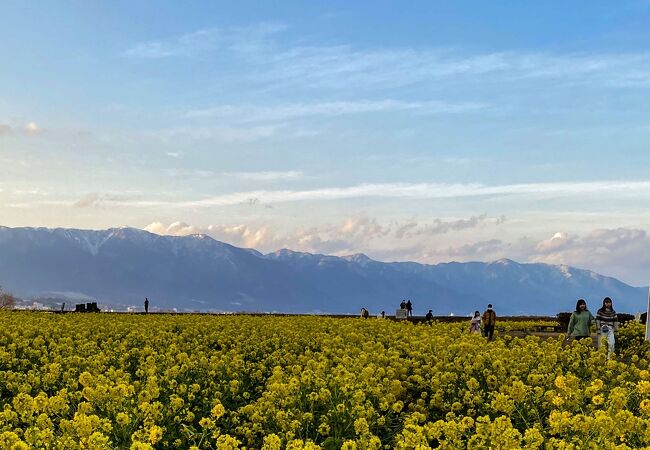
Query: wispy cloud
{"points": [[439, 226], [88, 200], [28, 129], [287, 175], [184, 45], [239, 39], [415, 191], [267, 175], [216, 133], [268, 61], [344, 66], [431, 191], [339, 108]]}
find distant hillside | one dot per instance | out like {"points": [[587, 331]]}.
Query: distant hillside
{"points": [[121, 266]]}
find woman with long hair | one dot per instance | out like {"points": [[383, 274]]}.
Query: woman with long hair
{"points": [[580, 322], [607, 324], [475, 324]]}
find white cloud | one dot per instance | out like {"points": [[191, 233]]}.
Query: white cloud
{"points": [[88, 200], [223, 133], [238, 39], [338, 108], [174, 229], [619, 252], [444, 226], [557, 242], [266, 60], [343, 66], [639, 189], [32, 128], [352, 235], [184, 45], [414, 191], [622, 252], [267, 175]]}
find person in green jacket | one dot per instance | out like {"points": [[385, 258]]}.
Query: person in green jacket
{"points": [[580, 322]]}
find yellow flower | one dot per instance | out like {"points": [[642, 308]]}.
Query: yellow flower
{"points": [[122, 418], [645, 406], [155, 434], [218, 410], [597, 399], [361, 426]]}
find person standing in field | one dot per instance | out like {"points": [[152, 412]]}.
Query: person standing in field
{"points": [[489, 321], [475, 324], [580, 322], [607, 324], [146, 305], [429, 316], [409, 308]]}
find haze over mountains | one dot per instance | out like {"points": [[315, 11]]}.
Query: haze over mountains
{"points": [[121, 266]]}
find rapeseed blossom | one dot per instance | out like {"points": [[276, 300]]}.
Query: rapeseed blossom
{"points": [[229, 382]]}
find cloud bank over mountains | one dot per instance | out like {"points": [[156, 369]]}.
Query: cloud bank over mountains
{"points": [[622, 253]]}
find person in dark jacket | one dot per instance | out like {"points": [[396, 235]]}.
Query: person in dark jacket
{"points": [[489, 321], [409, 308]]}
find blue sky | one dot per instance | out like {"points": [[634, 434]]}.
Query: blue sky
{"points": [[431, 132]]}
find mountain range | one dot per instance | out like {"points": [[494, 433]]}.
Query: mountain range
{"points": [[119, 267]]}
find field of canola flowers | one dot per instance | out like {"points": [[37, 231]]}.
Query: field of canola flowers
{"points": [[191, 381]]}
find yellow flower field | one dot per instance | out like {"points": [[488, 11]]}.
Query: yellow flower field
{"points": [[196, 381]]}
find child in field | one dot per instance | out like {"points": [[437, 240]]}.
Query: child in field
{"points": [[475, 324]]}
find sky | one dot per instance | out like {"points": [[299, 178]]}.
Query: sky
{"points": [[430, 131]]}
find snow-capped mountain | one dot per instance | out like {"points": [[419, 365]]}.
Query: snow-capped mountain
{"points": [[121, 266]]}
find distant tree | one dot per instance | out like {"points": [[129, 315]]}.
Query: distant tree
{"points": [[7, 300]]}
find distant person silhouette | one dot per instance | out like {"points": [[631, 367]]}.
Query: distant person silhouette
{"points": [[146, 305], [409, 309], [402, 305], [429, 316]]}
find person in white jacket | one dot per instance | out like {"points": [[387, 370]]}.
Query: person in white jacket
{"points": [[475, 324]]}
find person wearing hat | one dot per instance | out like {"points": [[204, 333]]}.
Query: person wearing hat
{"points": [[489, 320]]}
